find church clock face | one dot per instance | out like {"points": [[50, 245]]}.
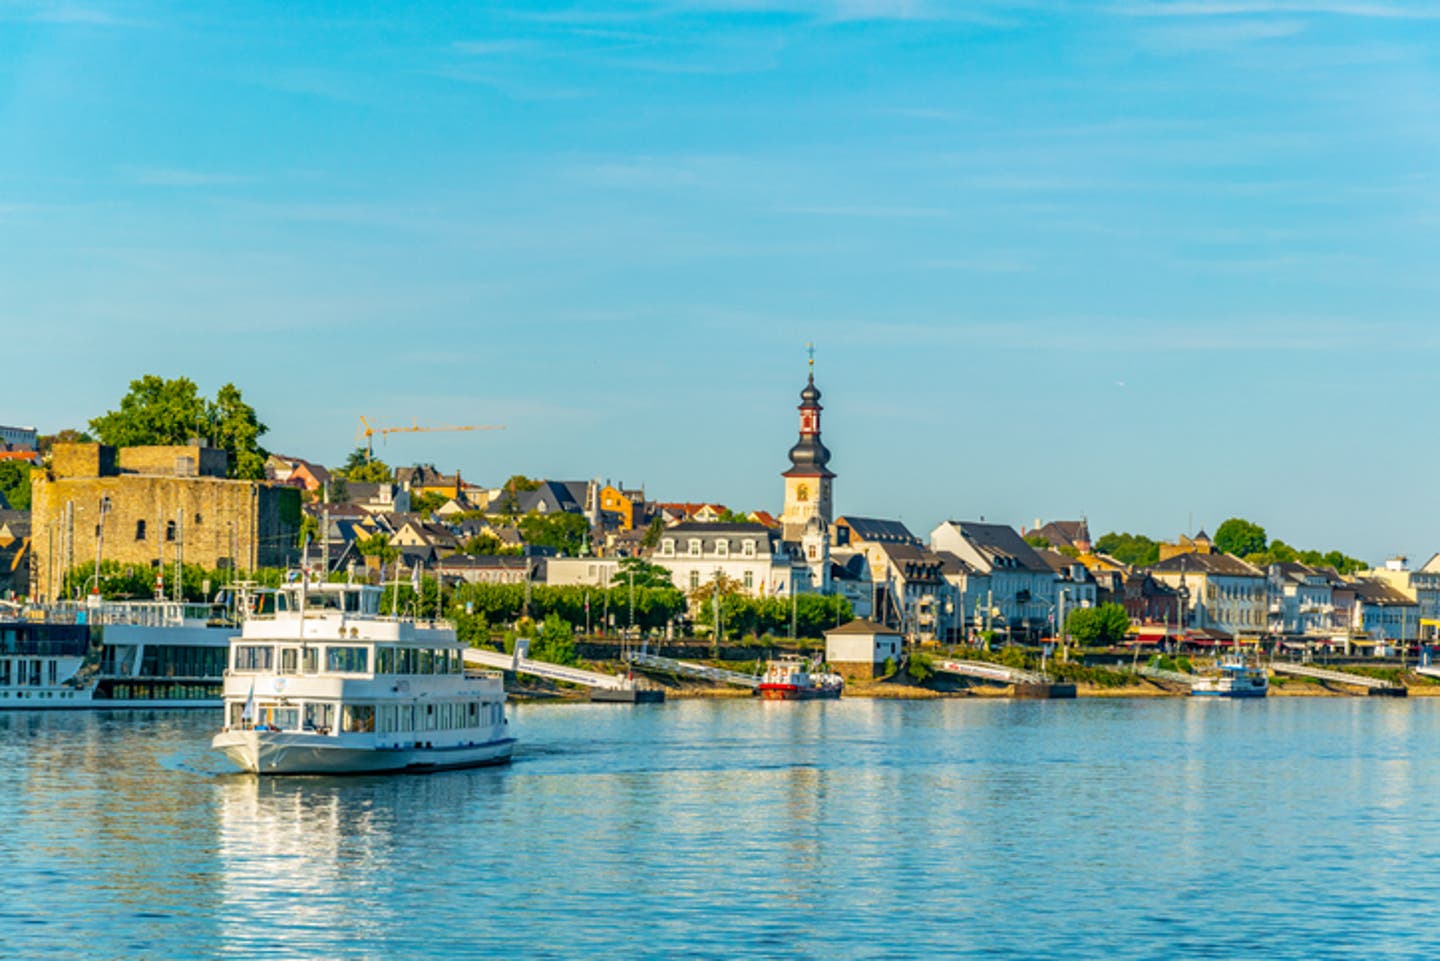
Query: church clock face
{"points": [[802, 493]]}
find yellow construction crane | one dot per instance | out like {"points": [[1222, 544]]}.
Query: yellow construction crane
{"points": [[368, 432]]}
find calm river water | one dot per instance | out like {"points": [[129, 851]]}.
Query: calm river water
{"points": [[1286, 828]]}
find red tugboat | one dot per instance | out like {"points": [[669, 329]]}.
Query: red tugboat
{"points": [[789, 679]]}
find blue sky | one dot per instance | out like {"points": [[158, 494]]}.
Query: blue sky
{"points": [[1146, 261]]}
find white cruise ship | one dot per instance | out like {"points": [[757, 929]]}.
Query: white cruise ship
{"points": [[128, 654], [325, 685]]}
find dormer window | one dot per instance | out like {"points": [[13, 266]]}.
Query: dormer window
{"points": [[694, 547], [747, 549], [667, 547], [722, 548]]}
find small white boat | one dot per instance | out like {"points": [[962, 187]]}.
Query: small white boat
{"points": [[1236, 679], [789, 678], [325, 685]]}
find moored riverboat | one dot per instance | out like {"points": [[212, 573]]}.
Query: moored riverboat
{"points": [[1236, 679], [326, 685], [134, 654], [789, 678]]}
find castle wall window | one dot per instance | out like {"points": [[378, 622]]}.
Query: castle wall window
{"points": [[139, 530], [169, 530]]}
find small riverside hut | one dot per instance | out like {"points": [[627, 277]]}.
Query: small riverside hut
{"points": [[861, 647]]}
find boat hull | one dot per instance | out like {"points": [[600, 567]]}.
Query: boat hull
{"points": [[1246, 693], [279, 753], [793, 692]]}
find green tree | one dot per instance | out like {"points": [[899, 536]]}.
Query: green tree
{"points": [[641, 573], [1136, 550], [653, 530], [1106, 624], [481, 545], [339, 489], [563, 531], [309, 531], [1240, 537], [554, 641], [15, 484], [1037, 540], [428, 502], [235, 429], [379, 547], [375, 472], [157, 411]]}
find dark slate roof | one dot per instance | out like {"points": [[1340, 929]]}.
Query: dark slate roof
{"points": [[851, 568], [18, 521], [1223, 564], [485, 562], [1380, 594], [700, 527], [1001, 542], [877, 530], [952, 564], [1064, 533], [863, 626]]}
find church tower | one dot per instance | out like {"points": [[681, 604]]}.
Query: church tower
{"points": [[808, 481]]}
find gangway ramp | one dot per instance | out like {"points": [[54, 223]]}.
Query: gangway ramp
{"points": [[990, 672], [1160, 674], [1374, 684], [521, 664], [668, 665]]}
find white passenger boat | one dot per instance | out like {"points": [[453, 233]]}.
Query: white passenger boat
{"points": [[1236, 679], [325, 685], [129, 654]]}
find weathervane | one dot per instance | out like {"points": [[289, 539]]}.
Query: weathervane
{"points": [[810, 349]]}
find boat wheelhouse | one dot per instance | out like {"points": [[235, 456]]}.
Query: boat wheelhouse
{"points": [[326, 685]]}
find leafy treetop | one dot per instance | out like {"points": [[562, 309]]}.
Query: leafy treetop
{"points": [[157, 411], [1240, 537], [1137, 550]]}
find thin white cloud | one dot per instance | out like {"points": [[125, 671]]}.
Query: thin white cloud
{"points": [[181, 177], [1208, 35], [1230, 8], [880, 211]]}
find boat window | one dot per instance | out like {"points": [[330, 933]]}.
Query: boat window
{"points": [[54, 673], [474, 713], [385, 658], [352, 602], [347, 660], [237, 715], [4, 672], [427, 661], [405, 661], [319, 717], [442, 662], [289, 660], [254, 657], [312, 660], [358, 718]]}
